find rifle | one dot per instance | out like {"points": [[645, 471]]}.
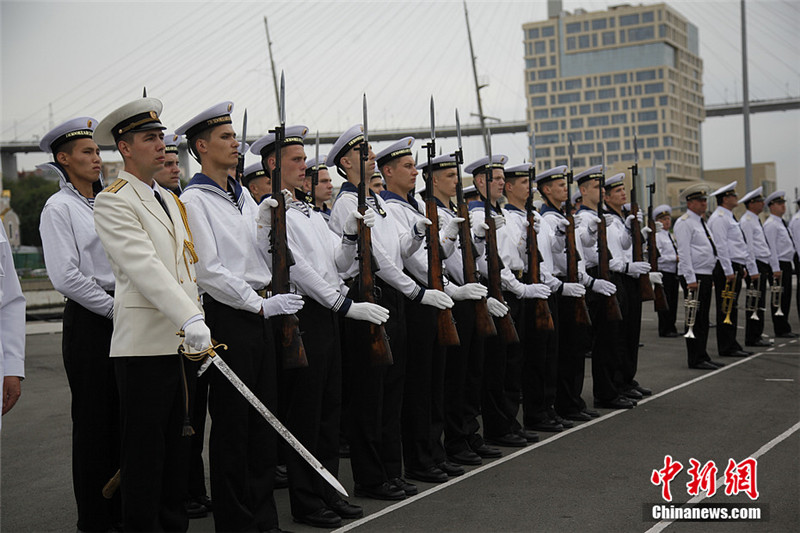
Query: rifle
{"points": [[613, 312], [581, 311], [544, 319], [484, 325], [645, 288], [660, 298], [380, 353], [446, 324], [293, 353], [240, 163], [315, 175], [508, 333]]}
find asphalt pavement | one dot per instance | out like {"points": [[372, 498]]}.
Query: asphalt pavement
{"points": [[594, 477]]}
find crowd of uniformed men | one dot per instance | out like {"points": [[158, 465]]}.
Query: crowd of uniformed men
{"points": [[144, 259]]}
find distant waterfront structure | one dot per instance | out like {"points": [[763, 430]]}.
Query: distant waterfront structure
{"points": [[599, 77]]}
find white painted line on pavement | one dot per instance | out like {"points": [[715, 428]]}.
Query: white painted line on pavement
{"points": [[778, 379], [661, 526]]}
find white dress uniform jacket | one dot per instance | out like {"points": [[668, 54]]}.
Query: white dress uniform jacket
{"points": [[152, 256], [794, 231], [730, 241], [778, 238], [667, 252], [12, 316], [757, 240], [694, 248], [511, 243]]}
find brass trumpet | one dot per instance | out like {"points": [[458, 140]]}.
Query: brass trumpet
{"points": [[729, 298], [752, 298], [691, 304], [777, 294]]}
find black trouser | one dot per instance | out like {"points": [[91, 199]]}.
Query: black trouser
{"points": [[376, 394], [154, 460], [313, 401], [666, 319], [539, 369], [754, 328], [781, 323], [197, 469], [630, 303], [606, 350], [797, 289], [95, 415], [696, 347], [726, 333], [500, 398], [458, 361], [571, 359], [242, 447]]}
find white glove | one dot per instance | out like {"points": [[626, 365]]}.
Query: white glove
{"points": [[536, 290], [638, 267], [573, 290], [499, 221], [287, 197], [436, 299], [659, 226], [281, 304], [421, 225], [265, 208], [496, 308], [609, 219], [537, 222], [588, 221], [657, 278], [563, 222], [646, 231], [604, 287], [630, 218], [451, 227], [470, 291], [368, 312], [197, 336], [351, 223]]}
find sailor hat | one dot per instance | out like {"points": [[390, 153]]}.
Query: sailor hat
{"points": [[661, 209], [172, 140], [136, 116], [470, 189], [312, 164], [592, 173], [697, 191], [440, 162], [395, 150], [345, 143], [727, 190], [476, 167], [518, 171], [266, 144], [555, 173], [576, 196], [212, 117], [777, 196], [252, 172], [753, 196], [615, 181], [77, 128]]}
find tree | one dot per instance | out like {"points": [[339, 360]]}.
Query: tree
{"points": [[28, 196]]}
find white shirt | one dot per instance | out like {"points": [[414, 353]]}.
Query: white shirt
{"points": [[757, 240], [694, 248], [778, 238], [667, 252], [730, 241], [512, 241], [406, 215], [12, 316], [76, 261], [231, 267], [553, 244], [794, 231], [620, 244]]}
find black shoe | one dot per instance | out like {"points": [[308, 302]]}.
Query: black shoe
{"points": [[321, 518], [195, 509], [510, 440], [528, 435], [561, 420], [788, 335], [384, 491], [281, 477], [644, 391], [736, 353], [592, 413], [578, 416], [428, 475], [620, 402], [672, 334], [633, 394], [487, 452], [346, 509], [705, 365], [452, 470], [718, 364], [550, 426], [759, 343], [409, 488], [465, 457]]}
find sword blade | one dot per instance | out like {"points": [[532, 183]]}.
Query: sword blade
{"points": [[275, 423]]}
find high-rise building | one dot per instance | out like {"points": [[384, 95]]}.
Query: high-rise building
{"points": [[601, 77]]}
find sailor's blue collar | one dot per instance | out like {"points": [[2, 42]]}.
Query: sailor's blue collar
{"points": [[202, 179], [510, 207], [585, 208], [450, 206], [481, 204], [409, 199], [550, 209]]}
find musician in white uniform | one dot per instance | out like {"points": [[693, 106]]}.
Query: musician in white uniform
{"points": [[781, 243]]}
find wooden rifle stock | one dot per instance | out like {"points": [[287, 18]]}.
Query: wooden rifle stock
{"points": [[660, 297], [544, 318], [645, 288], [613, 312], [581, 311], [484, 325], [446, 324]]}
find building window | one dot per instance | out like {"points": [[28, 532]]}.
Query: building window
{"points": [[548, 31], [539, 47], [645, 75], [649, 129], [659, 154], [662, 31], [547, 74], [609, 38], [573, 27], [662, 100], [589, 95], [586, 148], [619, 119], [599, 24], [652, 142], [583, 41], [650, 88], [566, 98], [576, 123], [548, 126], [531, 63], [667, 140], [648, 102], [548, 139], [534, 88], [647, 16], [601, 107], [576, 135], [571, 44], [538, 101], [610, 133], [629, 20], [622, 36], [585, 109], [561, 150], [572, 84], [542, 152], [558, 112], [607, 93], [612, 146], [579, 162], [594, 40], [598, 121], [624, 105], [552, 61], [645, 116], [540, 113], [641, 34], [552, 46], [605, 80], [542, 61], [621, 78], [533, 33], [588, 135]]}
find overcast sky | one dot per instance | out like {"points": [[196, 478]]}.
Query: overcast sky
{"points": [[66, 59]]}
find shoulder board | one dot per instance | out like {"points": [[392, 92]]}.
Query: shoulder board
{"points": [[685, 216], [117, 185]]}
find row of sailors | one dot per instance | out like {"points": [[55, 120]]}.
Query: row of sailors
{"points": [[136, 263]]}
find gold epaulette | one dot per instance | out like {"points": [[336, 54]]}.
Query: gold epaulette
{"points": [[117, 185], [685, 216]]}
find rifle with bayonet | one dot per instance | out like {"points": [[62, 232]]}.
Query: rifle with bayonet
{"points": [[445, 323], [645, 288], [581, 311], [508, 333], [293, 353], [484, 325], [240, 163], [613, 312], [543, 319], [380, 354], [315, 175], [660, 300]]}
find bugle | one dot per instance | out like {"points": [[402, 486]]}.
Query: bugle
{"points": [[752, 297], [729, 298], [777, 294], [691, 304]]}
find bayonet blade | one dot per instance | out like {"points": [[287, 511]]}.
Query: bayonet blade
{"points": [[489, 143], [635, 150], [364, 119], [316, 151], [283, 101], [458, 130], [603, 157], [533, 150], [433, 123], [244, 133]]}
